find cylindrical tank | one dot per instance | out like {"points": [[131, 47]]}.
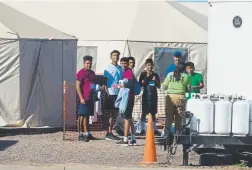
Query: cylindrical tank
{"points": [[250, 118], [193, 106], [206, 116], [223, 115], [240, 120]]}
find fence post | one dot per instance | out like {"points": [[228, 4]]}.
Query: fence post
{"points": [[64, 108]]}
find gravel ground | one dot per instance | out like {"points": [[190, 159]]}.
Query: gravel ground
{"points": [[51, 149]]}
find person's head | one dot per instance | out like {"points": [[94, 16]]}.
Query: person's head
{"points": [[177, 57], [190, 67], [131, 62], [180, 68], [124, 63], [114, 55], [149, 64], [87, 62]]}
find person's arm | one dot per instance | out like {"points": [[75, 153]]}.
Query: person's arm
{"points": [[157, 80], [78, 88], [105, 74], [166, 82], [141, 79], [201, 84]]}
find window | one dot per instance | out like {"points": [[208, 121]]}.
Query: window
{"points": [[163, 57]]}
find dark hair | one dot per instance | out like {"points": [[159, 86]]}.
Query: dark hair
{"points": [[125, 59], [87, 58], [180, 68], [115, 51], [190, 64], [149, 61], [131, 58]]}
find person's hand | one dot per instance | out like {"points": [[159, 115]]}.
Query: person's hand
{"points": [[103, 87], [154, 78], [82, 101], [143, 81]]}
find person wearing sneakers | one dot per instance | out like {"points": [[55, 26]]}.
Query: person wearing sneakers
{"points": [[175, 85], [85, 81], [127, 115], [114, 73], [149, 81]]}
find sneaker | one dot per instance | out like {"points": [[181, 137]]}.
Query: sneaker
{"points": [[91, 137], [132, 142], [157, 133], [122, 143], [83, 138], [111, 136]]}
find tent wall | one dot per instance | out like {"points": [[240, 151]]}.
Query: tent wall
{"points": [[32, 74], [103, 52], [43, 67], [9, 80], [197, 53]]}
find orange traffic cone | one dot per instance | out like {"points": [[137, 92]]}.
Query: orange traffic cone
{"points": [[149, 147]]}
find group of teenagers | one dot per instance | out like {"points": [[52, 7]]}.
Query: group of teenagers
{"points": [[180, 79]]}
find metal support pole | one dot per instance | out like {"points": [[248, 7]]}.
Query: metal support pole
{"points": [[186, 131]]}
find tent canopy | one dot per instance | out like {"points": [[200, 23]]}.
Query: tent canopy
{"points": [[157, 21], [14, 23], [35, 59]]}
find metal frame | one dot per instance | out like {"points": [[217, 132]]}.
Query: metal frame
{"points": [[187, 139]]}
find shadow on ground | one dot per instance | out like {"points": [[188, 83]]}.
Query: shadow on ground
{"points": [[4, 144]]}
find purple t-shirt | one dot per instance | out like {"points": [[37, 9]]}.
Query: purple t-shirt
{"points": [[128, 74], [86, 77]]}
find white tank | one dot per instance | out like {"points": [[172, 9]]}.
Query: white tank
{"points": [[240, 119], [206, 116], [223, 115], [250, 118], [192, 105]]}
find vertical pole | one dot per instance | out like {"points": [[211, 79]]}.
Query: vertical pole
{"points": [[186, 146], [64, 109]]}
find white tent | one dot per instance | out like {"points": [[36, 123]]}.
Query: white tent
{"points": [[34, 60], [142, 29], [133, 27]]}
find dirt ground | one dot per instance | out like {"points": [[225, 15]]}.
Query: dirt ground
{"points": [[51, 149]]}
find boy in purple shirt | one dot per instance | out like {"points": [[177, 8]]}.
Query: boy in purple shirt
{"points": [[128, 74], [85, 82]]}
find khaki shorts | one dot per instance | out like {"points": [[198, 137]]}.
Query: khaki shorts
{"points": [[174, 108]]}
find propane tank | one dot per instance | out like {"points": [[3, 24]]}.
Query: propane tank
{"points": [[240, 120], [223, 115], [193, 106], [206, 116], [250, 118]]}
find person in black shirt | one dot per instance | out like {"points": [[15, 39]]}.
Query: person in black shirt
{"points": [[149, 81]]}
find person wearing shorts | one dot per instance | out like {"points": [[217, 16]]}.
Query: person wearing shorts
{"points": [[113, 73], [149, 81], [85, 83], [128, 122]]}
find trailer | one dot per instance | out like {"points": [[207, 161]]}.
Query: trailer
{"points": [[238, 147]]}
